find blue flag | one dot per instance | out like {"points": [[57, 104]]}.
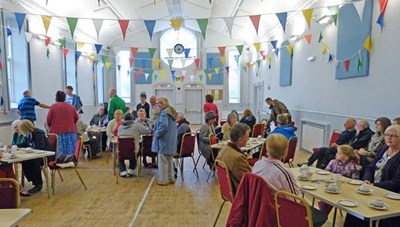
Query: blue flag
{"points": [[20, 17], [98, 48], [150, 24]]}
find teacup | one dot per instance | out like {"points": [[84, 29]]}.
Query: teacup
{"points": [[304, 167], [364, 188], [259, 137], [14, 149], [303, 175], [333, 187], [13, 155], [378, 202]]}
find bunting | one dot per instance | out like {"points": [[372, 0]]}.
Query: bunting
{"points": [[346, 65], [255, 19], [176, 23], [131, 61], [367, 43], [169, 51], [47, 41], [28, 36], [210, 62], [203, 26], [156, 63], [308, 15], [155, 77], [257, 46], [186, 51], [237, 59], [308, 38], [65, 52], [320, 37], [335, 17], [277, 52], [380, 21], [150, 24], [209, 76], [240, 49], [290, 49], [223, 59], [330, 59], [98, 48], [191, 78], [382, 6], [134, 51], [273, 43], [46, 22], [359, 64], [48, 53], [216, 70], [152, 51], [97, 23], [124, 26], [77, 55], [197, 62], [324, 48], [72, 22], [201, 77], [229, 24], [9, 33], [80, 45], [20, 18], [194, 71], [221, 50], [282, 17], [360, 8]]}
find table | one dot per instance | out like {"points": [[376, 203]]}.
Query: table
{"points": [[22, 155], [348, 191], [12, 217], [251, 144], [98, 131]]}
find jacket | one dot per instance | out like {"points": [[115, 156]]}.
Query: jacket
{"points": [[116, 103], [361, 139], [276, 109], [204, 140], [62, 118], [253, 204], [182, 128], [285, 130], [250, 121], [165, 136], [211, 107], [135, 129]]}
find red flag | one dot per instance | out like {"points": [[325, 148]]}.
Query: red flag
{"points": [[346, 65], [134, 51], [47, 41], [221, 51], [382, 6], [197, 62], [139, 72], [65, 51], [182, 78], [1, 66], [256, 21], [124, 25], [131, 60], [308, 38]]}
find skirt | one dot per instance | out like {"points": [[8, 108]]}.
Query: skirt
{"points": [[66, 144]]}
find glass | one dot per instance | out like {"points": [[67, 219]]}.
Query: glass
{"points": [[391, 136]]}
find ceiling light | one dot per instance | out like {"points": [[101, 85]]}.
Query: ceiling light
{"points": [[326, 19]]}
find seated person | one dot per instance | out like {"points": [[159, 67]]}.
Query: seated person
{"points": [[283, 127], [141, 118], [113, 125], [233, 157], [226, 128], [396, 121], [182, 126], [92, 142], [278, 176], [135, 129], [248, 119], [100, 118], [383, 172], [206, 130]]}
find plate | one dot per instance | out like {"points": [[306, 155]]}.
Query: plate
{"points": [[308, 187], [332, 192], [303, 179], [329, 180], [347, 203], [384, 207], [356, 182], [364, 193], [322, 172], [38, 152], [391, 195]]}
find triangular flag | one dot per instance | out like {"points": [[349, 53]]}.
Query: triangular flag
{"points": [[333, 9], [150, 24], [197, 62], [152, 51], [269, 59], [277, 52], [244, 68], [209, 76], [255, 19], [359, 5], [201, 77], [237, 59], [324, 48], [210, 62], [156, 63], [258, 62], [240, 49], [91, 56], [131, 61], [46, 22], [227, 68], [216, 70], [119, 67], [65, 52], [203, 26], [124, 26], [176, 23], [47, 41], [194, 71], [9, 32], [28, 36], [162, 71], [134, 51], [221, 50], [80, 45], [98, 48], [47, 53], [62, 42], [170, 61], [330, 58], [72, 22], [169, 51], [382, 6], [257, 46], [380, 21], [186, 51], [191, 78], [146, 75], [308, 15], [334, 17], [77, 55], [20, 17], [282, 17], [223, 58], [173, 75], [104, 58], [273, 43], [183, 72], [155, 77], [248, 64], [346, 65], [308, 38], [229, 24], [205, 71], [320, 37], [183, 61], [359, 64], [290, 49], [367, 44], [97, 23]]}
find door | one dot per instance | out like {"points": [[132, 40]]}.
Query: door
{"points": [[193, 105], [167, 93], [258, 98]]}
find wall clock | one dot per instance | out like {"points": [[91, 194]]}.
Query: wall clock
{"points": [[178, 48]]}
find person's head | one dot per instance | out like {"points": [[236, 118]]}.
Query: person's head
{"points": [[100, 110], [60, 96], [141, 114], [209, 98], [269, 101], [26, 93], [247, 113], [349, 124], [277, 146], [396, 121], [382, 124], [345, 153], [15, 124], [289, 117], [153, 100], [210, 118], [143, 98], [392, 136], [281, 119], [26, 127], [179, 117], [112, 92], [240, 134], [232, 119], [362, 124], [128, 117], [235, 113], [118, 115], [69, 90], [162, 102]]}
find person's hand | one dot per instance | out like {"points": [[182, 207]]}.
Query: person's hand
{"points": [[362, 151], [367, 182], [334, 145]]}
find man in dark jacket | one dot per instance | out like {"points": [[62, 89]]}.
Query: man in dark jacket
{"points": [[277, 107]]}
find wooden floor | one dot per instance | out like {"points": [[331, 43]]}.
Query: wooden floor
{"points": [[132, 202]]}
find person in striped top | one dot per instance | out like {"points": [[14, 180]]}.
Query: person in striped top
{"points": [[26, 107]]}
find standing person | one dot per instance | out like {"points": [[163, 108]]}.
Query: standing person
{"points": [[115, 103], [209, 106], [154, 109], [73, 99], [248, 119], [277, 107], [26, 106], [164, 142], [144, 105], [61, 119]]}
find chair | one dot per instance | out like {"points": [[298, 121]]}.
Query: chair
{"points": [[126, 150], [258, 130], [187, 150], [263, 152], [145, 149], [198, 149], [9, 193], [334, 138], [222, 122], [292, 210], [213, 140], [225, 185], [291, 151], [54, 168]]}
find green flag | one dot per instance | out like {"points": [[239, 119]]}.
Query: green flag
{"points": [[62, 42], [201, 77], [155, 77], [244, 69], [240, 49], [152, 51], [104, 58], [320, 37], [203, 26], [72, 22], [334, 17]]}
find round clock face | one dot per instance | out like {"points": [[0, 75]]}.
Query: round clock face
{"points": [[178, 48]]}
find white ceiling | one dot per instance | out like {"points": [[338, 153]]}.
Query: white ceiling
{"points": [[162, 11]]}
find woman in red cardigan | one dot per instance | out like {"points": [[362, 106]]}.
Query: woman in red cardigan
{"points": [[209, 106]]}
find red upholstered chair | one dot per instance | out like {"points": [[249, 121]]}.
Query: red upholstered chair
{"points": [[222, 122], [291, 151], [263, 152], [334, 137], [187, 150], [198, 149], [292, 210], [213, 140], [225, 185], [54, 168], [258, 130], [126, 150], [9, 193]]}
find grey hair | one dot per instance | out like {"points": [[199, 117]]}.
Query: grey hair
{"points": [[180, 114], [141, 110], [282, 119], [365, 122], [395, 127], [238, 131], [231, 116], [15, 123]]}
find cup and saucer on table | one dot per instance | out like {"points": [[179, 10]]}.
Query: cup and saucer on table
{"points": [[28, 150], [378, 204], [303, 176], [364, 189], [333, 188]]}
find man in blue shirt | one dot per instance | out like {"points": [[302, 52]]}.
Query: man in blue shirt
{"points": [[73, 99], [26, 106]]}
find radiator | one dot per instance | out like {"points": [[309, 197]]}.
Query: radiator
{"points": [[313, 134], [6, 135]]}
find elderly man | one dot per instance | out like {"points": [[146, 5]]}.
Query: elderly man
{"points": [[115, 103], [233, 157], [154, 109], [277, 107], [26, 106]]}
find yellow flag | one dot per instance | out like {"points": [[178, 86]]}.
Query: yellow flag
{"points": [[269, 59], [308, 15], [80, 45], [163, 76], [257, 46], [367, 44], [46, 22], [223, 58], [209, 76], [169, 51], [108, 65], [176, 23], [91, 56], [216, 70], [289, 49], [156, 63], [324, 48]]}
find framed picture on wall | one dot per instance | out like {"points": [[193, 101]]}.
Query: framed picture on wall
{"points": [[216, 93]]}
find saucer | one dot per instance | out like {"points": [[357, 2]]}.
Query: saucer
{"points": [[302, 178], [355, 182], [322, 172], [308, 187], [369, 192], [347, 203], [391, 195], [332, 192], [384, 207], [329, 180]]}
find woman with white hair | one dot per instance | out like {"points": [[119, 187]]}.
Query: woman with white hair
{"points": [[100, 118]]}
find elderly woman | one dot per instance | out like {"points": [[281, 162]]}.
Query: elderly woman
{"points": [[164, 142], [206, 130], [61, 119], [113, 125], [100, 118], [226, 128], [248, 119], [383, 172]]}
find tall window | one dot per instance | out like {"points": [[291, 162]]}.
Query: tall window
{"points": [[234, 77], [70, 66], [100, 82], [123, 76]]}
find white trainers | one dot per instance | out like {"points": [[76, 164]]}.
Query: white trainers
{"points": [[123, 174], [66, 165], [131, 172]]}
